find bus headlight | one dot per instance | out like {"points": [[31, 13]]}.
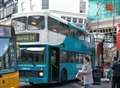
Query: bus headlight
{"points": [[41, 74]]}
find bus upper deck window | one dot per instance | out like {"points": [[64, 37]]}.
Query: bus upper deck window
{"points": [[36, 22], [19, 24]]}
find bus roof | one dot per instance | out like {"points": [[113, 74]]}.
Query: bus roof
{"points": [[71, 25]]}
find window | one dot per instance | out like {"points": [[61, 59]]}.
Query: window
{"points": [[59, 27], [32, 55], [1, 13], [104, 30], [1, 2], [82, 7], [79, 58], [91, 31], [7, 54], [88, 38], [19, 24], [45, 4], [110, 29], [115, 29], [82, 37], [75, 20], [71, 57], [67, 56], [36, 22], [63, 56], [69, 19], [30, 23], [9, 10], [56, 26], [80, 20], [63, 17]]}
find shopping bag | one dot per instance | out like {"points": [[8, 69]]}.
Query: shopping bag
{"points": [[79, 75]]}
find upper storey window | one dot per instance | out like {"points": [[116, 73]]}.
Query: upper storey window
{"points": [[82, 7], [45, 4]]}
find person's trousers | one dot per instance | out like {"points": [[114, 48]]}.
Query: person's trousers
{"points": [[116, 82]]}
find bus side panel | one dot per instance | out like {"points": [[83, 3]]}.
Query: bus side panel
{"points": [[10, 80], [69, 68], [72, 69]]}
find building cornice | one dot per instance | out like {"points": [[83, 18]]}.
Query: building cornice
{"points": [[108, 22]]}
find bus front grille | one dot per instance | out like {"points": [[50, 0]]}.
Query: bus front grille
{"points": [[28, 73]]}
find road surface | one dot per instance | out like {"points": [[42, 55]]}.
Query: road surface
{"points": [[74, 84]]}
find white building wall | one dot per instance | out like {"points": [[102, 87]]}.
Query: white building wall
{"points": [[58, 5], [65, 5], [36, 5], [87, 6], [68, 8], [23, 5], [29, 5]]}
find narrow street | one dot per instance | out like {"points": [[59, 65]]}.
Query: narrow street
{"points": [[59, 43], [74, 84]]}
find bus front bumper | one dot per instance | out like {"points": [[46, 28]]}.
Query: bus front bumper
{"points": [[34, 80]]}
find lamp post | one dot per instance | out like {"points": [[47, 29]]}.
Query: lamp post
{"points": [[100, 49], [113, 12], [113, 35]]}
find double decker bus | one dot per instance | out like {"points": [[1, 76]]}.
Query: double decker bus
{"points": [[9, 77], [50, 48]]}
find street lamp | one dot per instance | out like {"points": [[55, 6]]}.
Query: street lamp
{"points": [[100, 48], [111, 8]]}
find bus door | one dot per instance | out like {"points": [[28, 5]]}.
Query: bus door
{"points": [[54, 60]]}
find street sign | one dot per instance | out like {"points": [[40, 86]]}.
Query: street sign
{"points": [[109, 7]]}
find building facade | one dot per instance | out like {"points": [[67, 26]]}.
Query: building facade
{"points": [[7, 8], [71, 10], [73, 6], [104, 15], [100, 9]]}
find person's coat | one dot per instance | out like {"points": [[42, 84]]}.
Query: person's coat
{"points": [[87, 74], [116, 69]]}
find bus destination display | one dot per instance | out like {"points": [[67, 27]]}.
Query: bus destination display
{"points": [[28, 37]]}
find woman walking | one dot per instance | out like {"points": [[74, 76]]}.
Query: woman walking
{"points": [[86, 72]]}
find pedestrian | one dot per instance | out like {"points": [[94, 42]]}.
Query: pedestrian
{"points": [[109, 73], [116, 73], [86, 72]]}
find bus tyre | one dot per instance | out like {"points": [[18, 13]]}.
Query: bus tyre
{"points": [[63, 75]]}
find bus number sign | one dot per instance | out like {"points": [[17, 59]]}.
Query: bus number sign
{"points": [[27, 37]]}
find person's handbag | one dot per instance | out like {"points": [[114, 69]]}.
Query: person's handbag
{"points": [[79, 75]]}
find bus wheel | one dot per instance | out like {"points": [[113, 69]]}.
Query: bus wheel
{"points": [[63, 75]]}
